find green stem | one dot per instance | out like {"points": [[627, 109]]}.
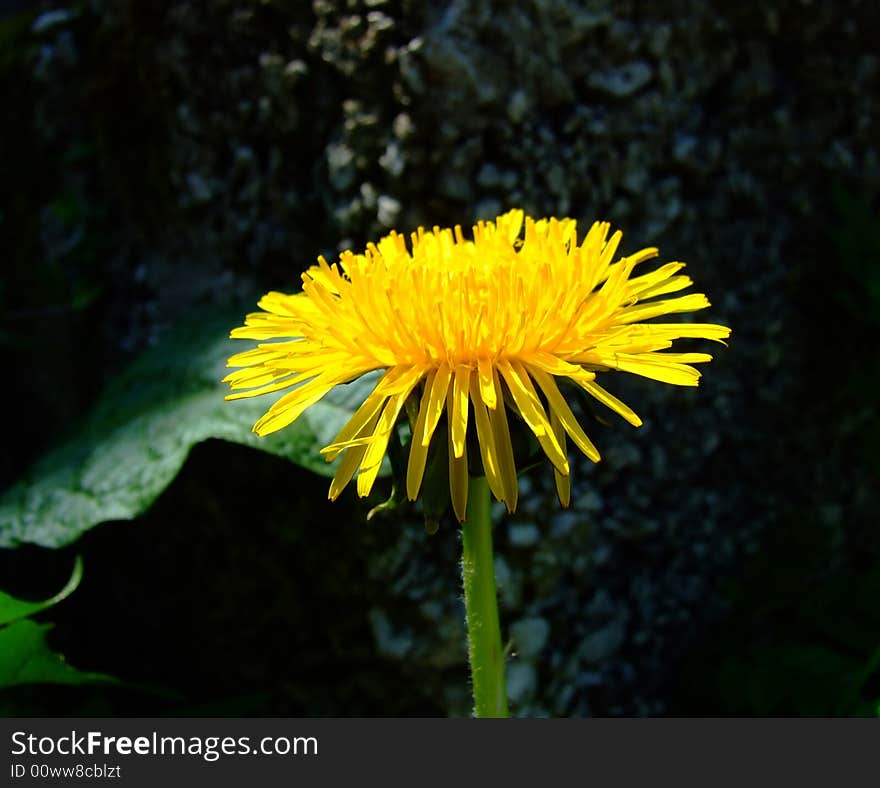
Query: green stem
{"points": [[481, 605]]}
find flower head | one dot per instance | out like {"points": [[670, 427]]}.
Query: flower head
{"points": [[473, 328]]}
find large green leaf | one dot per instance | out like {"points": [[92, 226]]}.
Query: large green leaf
{"points": [[137, 437], [25, 658], [12, 609]]}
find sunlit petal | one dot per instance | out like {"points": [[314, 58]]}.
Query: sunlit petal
{"points": [[483, 323]]}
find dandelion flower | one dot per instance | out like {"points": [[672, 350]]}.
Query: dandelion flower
{"points": [[480, 328]]}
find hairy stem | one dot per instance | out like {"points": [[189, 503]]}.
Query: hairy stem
{"points": [[481, 604]]}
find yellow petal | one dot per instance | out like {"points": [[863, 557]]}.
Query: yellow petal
{"points": [[418, 450], [563, 481], [710, 331], [562, 413], [372, 460], [529, 407], [354, 426], [458, 409], [510, 224], [291, 405], [350, 461], [671, 285], [526, 398], [486, 439], [458, 479], [277, 303], [645, 311], [258, 377], [609, 400], [639, 284], [556, 366], [374, 450], [264, 353], [487, 386], [387, 385], [652, 365], [501, 434], [436, 401]]}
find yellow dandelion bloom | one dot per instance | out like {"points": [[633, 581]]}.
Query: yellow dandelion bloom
{"points": [[475, 328]]}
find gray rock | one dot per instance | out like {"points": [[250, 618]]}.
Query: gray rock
{"points": [[624, 81], [509, 589], [488, 176], [623, 455], [565, 522], [340, 163], [403, 126], [635, 180], [389, 642], [243, 161], [199, 188], [522, 681], [295, 70], [271, 61], [50, 19], [455, 185], [601, 606], [683, 148], [517, 105], [379, 22], [369, 196], [392, 160], [603, 643], [388, 209], [523, 534], [488, 209], [589, 501], [529, 636], [557, 181], [410, 69], [603, 554]]}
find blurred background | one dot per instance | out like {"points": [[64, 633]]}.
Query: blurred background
{"points": [[166, 162]]}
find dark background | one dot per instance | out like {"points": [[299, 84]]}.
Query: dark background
{"points": [[163, 157]]}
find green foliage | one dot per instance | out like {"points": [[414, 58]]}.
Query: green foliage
{"points": [[799, 641], [856, 289], [12, 609], [26, 658], [25, 655], [856, 236], [134, 442], [798, 678], [803, 638], [13, 37]]}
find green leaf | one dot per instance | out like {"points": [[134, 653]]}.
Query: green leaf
{"points": [[25, 658], [139, 434], [11, 609]]}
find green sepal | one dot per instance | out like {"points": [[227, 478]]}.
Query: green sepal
{"points": [[435, 483], [398, 477]]}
